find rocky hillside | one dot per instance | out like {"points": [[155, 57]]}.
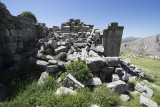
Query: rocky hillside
{"points": [[129, 39], [149, 45]]}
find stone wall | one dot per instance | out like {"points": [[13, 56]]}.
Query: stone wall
{"points": [[75, 25], [17, 34], [112, 39]]}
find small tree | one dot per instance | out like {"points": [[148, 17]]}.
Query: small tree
{"points": [[29, 15]]}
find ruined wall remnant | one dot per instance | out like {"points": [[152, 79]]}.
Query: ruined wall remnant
{"points": [[17, 32], [75, 26], [112, 39]]}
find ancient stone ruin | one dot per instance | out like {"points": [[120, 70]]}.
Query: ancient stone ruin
{"points": [[53, 48]]}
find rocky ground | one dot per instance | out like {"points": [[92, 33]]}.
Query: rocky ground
{"points": [[76, 41]]}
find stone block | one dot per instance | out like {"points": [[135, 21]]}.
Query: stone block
{"points": [[139, 88], [64, 90], [112, 61], [147, 102], [117, 86], [61, 49], [94, 82], [52, 68], [115, 77], [71, 82]]}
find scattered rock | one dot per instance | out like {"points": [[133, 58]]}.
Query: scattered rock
{"points": [[148, 92], [64, 90], [134, 92], [115, 77], [124, 97], [53, 62], [112, 61], [94, 63], [41, 64], [62, 56], [94, 82], [71, 82], [41, 56], [42, 77], [117, 86], [139, 88], [49, 57], [52, 68], [94, 105], [61, 49], [147, 102]]}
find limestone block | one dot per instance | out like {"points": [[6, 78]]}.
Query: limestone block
{"points": [[62, 56], [41, 64], [94, 82], [124, 97], [147, 102], [61, 49], [117, 86], [139, 88], [112, 61], [53, 62], [71, 82], [115, 77], [148, 93], [42, 77], [64, 90], [52, 68], [94, 63]]}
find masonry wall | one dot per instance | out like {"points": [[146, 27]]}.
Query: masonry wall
{"points": [[112, 36], [17, 33]]}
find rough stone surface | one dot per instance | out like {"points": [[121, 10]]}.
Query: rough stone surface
{"points": [[52, 68], [112, 61], [64, 90], [41, 64], [94, 82], [71, 82], [112, 39], [94, 105], [53, 62], [148, 92], [147, 102], [42, 77], [117, 86], [49, 57], [62, 56], [61, 49], [124, 97], [94, 63], [115, 77], [139, 88]]}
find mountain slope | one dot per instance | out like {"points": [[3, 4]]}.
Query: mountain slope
{"points": [[129, 39], [149, 45]]}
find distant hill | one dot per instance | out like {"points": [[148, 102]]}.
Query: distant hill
{"points": [[129, 39], [148, 45]]}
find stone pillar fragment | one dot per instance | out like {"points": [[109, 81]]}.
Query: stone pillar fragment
{"points": [[112, 36]]}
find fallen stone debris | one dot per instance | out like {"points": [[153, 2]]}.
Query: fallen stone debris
{"points": [[54, 48]]}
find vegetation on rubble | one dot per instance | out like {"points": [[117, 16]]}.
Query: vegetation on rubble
{"points": [[79, 70], [29, 15], [26, 91]]}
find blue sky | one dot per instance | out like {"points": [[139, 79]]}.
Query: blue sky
{"points": [[140, 18]]}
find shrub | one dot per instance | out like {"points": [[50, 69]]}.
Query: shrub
{"points": [[29, 15], [79, 70], [104, 97]]}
